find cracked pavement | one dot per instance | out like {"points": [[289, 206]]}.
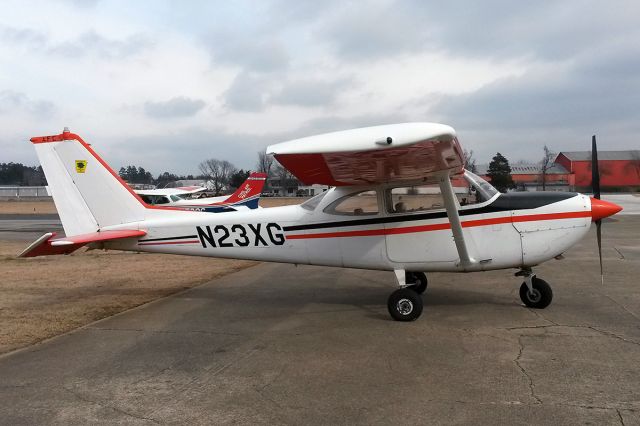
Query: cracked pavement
{"points": [[279, 344]]}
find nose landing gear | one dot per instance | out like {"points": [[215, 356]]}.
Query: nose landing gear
{"points": [[405, 304], [534, 292]]}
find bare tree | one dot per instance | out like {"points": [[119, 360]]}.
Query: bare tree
{"points": [[217, 172], [469, 161], [287, 179], [265, 162], [545, 164]]}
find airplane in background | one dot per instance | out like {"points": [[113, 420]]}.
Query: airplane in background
{"points": [[247, 196], [378, 215]]}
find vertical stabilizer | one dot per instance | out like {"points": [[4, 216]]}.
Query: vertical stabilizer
{"points": [[88, 194], [248, 194]]}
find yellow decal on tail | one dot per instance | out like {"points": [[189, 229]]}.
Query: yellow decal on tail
{"points": [[81, 166]]}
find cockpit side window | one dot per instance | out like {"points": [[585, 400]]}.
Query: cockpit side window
{"points": [[468, 188], [147, 199], [410, 199], [363, 203]]}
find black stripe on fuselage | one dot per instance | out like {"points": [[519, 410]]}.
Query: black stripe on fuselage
{"points": [[169, 238], [505, 202]]}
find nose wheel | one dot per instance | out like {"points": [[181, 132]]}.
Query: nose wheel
{"points": [[536, 293], [405, 304]]}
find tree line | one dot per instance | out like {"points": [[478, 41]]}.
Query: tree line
{"points": [[17, 174], [220, 175]]}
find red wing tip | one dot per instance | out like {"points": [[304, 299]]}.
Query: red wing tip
{"points": [[64, 136]]}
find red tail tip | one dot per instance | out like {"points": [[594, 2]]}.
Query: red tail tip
{"points": [[601, 209]]}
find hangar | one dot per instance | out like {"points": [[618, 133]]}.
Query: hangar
{"points": [[571, 171], [619, 170]]}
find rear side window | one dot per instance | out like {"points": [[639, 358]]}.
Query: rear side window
{"points": [[364, 203], [313, 202]]}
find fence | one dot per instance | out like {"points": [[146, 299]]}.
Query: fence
{"points": [[23, 191]]}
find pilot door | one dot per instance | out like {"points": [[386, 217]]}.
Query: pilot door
{"points": [[417, 228]]}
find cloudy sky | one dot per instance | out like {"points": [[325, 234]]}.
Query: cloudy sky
{"points": [[167, 84]]}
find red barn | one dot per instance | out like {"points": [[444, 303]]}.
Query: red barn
{"points": [[618, 169], [528, 177]]}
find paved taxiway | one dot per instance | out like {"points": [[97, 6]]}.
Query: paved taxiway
{"points": [[279, 344], [28, 227]]}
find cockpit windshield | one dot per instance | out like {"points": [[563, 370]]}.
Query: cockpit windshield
{"points": [[483, 189]]}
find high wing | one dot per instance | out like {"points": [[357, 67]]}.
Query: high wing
{"points": [[372, 155]]}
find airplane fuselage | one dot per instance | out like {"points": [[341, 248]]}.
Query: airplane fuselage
{"points": [[508, 231]]}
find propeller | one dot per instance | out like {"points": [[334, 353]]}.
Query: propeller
{"points": [[595, 186]]}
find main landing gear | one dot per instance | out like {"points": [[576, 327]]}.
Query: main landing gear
{"points": [[534, 292], [405, 304]]}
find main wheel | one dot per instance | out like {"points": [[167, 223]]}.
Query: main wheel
{"points": [[540, 297], [420, 278], [404, 304]]}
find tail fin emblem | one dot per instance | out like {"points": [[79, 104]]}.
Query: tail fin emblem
{"points": [[81, 166]]}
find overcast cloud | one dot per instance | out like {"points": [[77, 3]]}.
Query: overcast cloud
{"points": [[175, 107], [164, 85]]}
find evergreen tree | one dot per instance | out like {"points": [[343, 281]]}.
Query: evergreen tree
{"points": [[238, 178], [133, 174], [164, 178], [500, 173], [21, 175]]}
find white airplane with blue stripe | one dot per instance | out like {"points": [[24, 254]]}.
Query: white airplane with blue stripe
{"points": [[247, 196]]}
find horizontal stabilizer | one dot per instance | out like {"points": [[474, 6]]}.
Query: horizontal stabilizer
{"points": [[48, 245]]}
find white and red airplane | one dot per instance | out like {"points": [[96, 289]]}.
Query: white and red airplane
{"points": [[247, 196], [373, 217]]}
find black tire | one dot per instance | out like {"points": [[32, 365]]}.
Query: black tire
{"points": [[420, 278], [541, 297], [405, 305]]}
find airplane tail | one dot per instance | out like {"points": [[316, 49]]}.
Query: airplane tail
{"points": [[87, 193], [248, 194]]}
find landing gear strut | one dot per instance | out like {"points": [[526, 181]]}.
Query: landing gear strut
{"points": [[534, 292]]}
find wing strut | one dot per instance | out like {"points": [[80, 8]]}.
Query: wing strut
{"points": [[451, 205]]}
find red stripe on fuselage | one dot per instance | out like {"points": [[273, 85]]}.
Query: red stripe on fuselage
{"points": [[443, 226]]}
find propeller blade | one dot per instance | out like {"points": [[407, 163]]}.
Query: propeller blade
{"points": [[595, 186], [599, 237], [595, 172]]}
